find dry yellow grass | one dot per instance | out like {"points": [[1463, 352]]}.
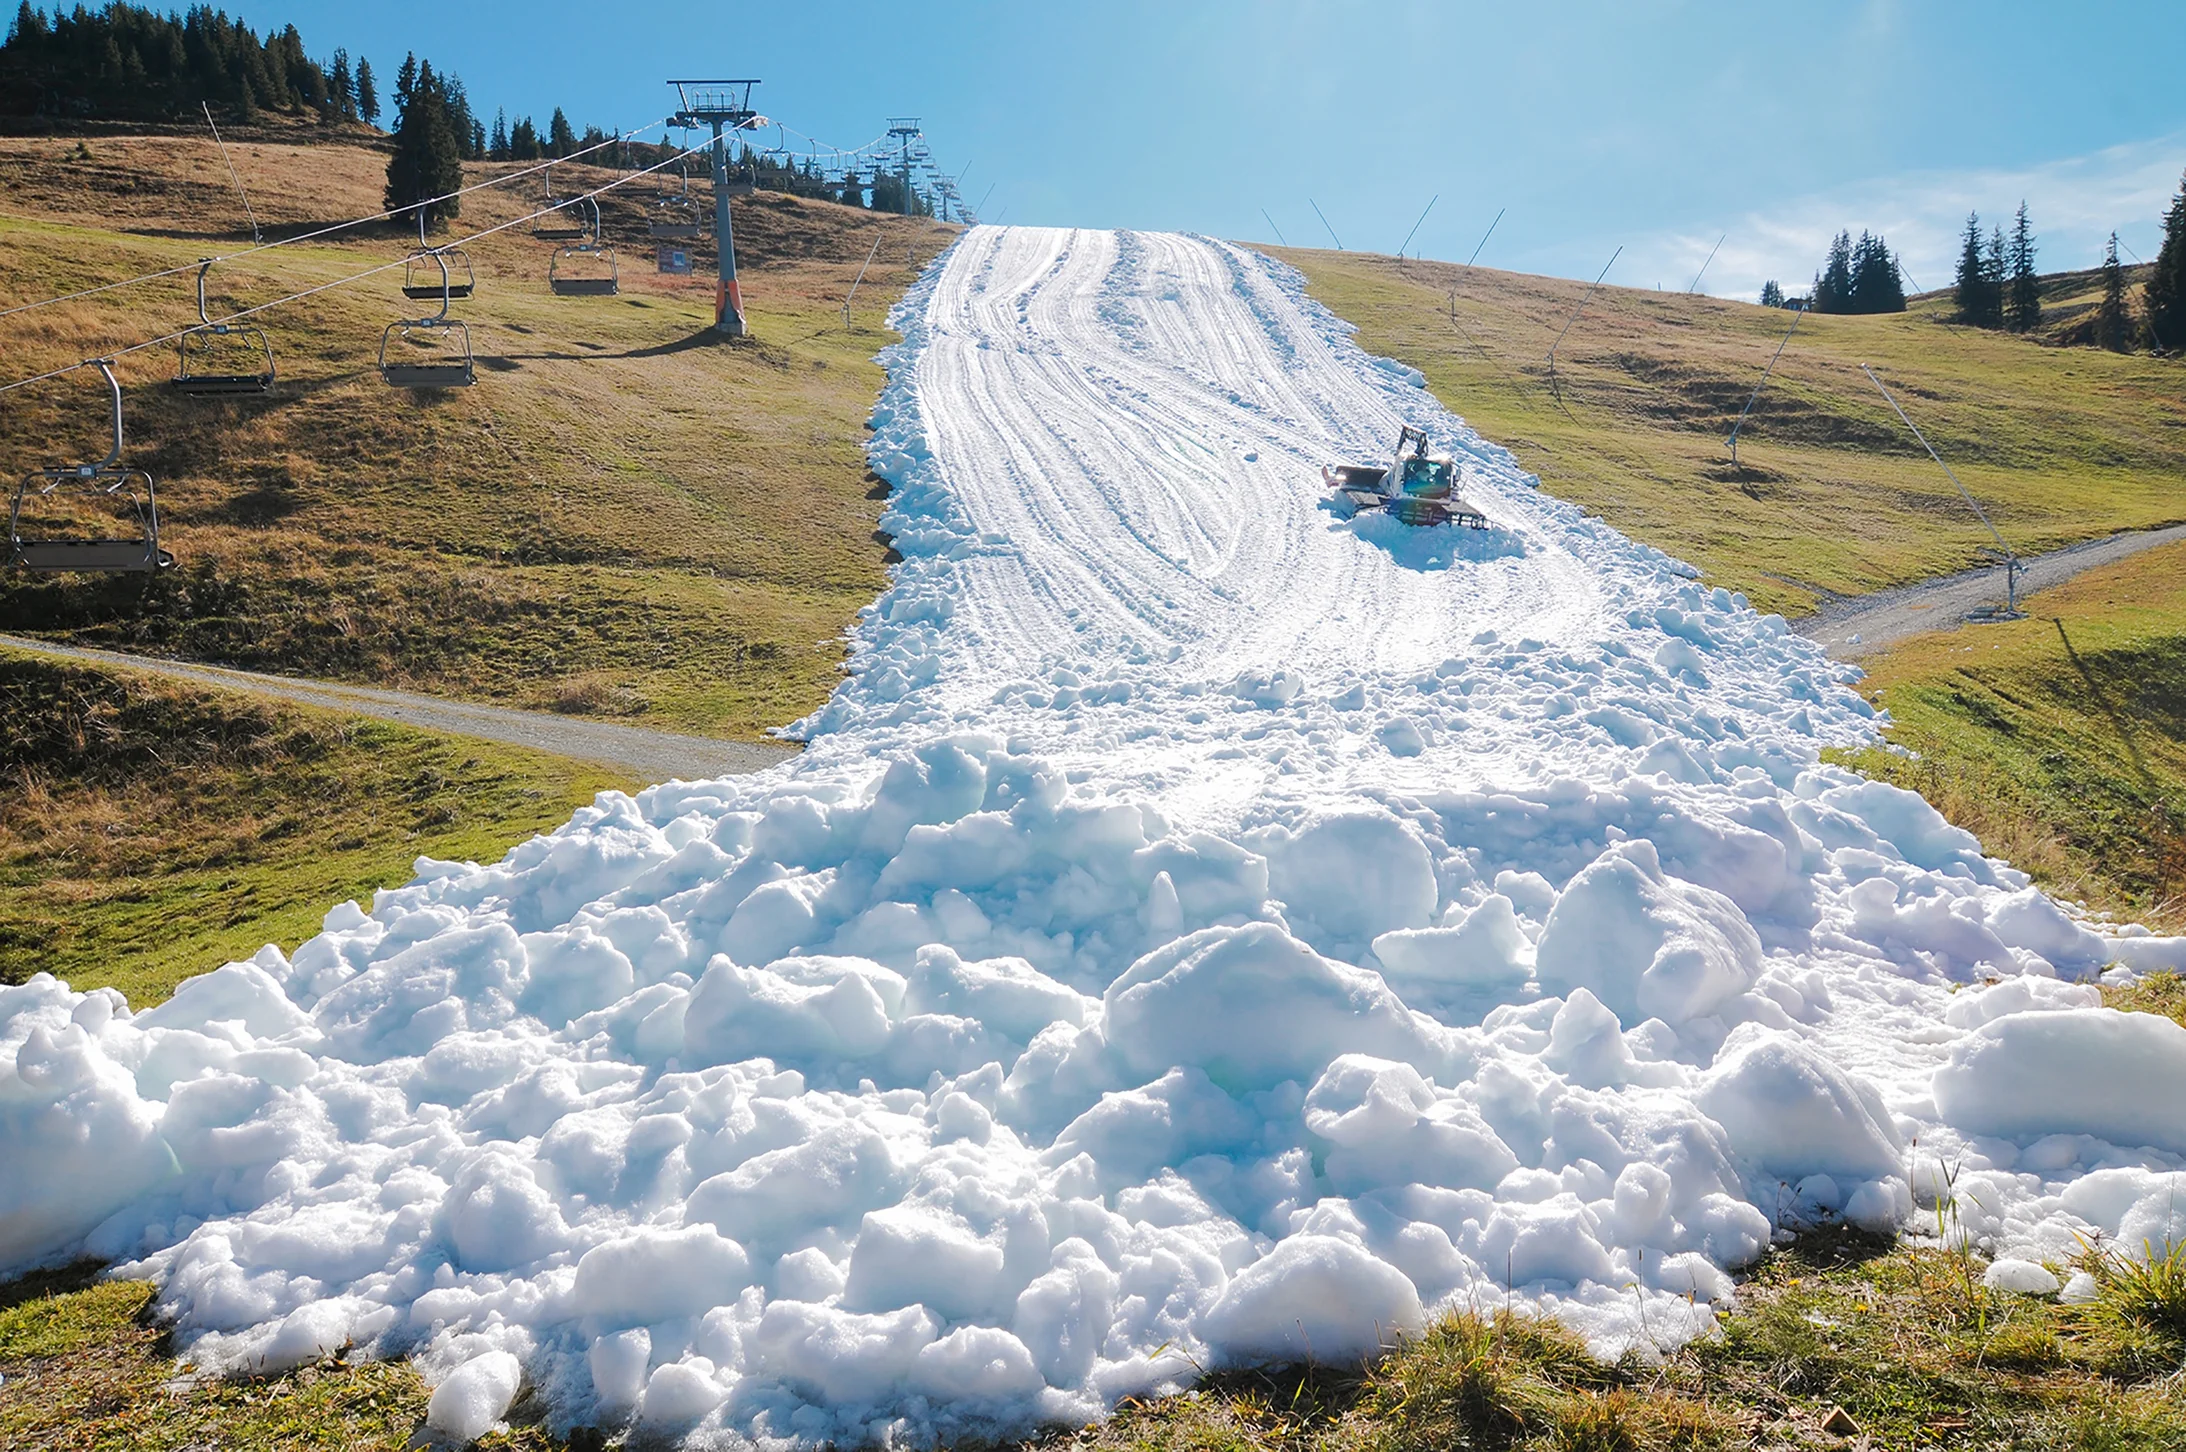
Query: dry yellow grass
{"points": [[620, 496]]}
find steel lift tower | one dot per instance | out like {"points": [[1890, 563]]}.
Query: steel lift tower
{"points": [[905, 129], [726, 107]]}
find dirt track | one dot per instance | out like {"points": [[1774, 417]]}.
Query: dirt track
{"points": [[649, 755], [1850, 626]]}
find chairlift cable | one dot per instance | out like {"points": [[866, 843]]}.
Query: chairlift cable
{"points": [[252, 311], [305, 236]]}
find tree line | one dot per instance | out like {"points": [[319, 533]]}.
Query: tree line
{"points": [[1856, 277], [128, 63]]}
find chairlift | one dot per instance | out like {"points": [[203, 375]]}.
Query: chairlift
{"points": [[676, 217], [215, 359], [587, 269], [97, 518], [443, 347], [566, 219], [418, 270]]}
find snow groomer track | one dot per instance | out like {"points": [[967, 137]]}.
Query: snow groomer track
{"points": [[1201, 931]]}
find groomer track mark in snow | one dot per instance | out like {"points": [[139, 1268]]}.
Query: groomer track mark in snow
{"points": [[1193, 906]]}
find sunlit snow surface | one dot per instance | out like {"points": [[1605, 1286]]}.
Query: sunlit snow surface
{"points": [[1202, 930]]}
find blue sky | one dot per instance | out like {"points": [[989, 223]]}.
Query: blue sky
{"points": [[1654, 126]]}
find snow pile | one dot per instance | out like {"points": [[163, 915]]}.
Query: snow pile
{"points": [[1201, 932]]}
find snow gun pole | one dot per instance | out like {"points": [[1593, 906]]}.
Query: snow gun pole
{"points": [[1718, 247], [1273, 228], [1796, 315], [1423, 211], [1484, 236], [2011, 561], [861, 276], [258, 238], [1612, 262], [1316, 206]]}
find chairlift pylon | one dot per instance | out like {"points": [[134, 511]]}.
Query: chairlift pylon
{"points": [[211, 357], [417, 270], [452, 366], [70, 512]]}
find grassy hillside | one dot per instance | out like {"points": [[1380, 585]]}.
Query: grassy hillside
{"points": [[623, 516], [155, 830], [2060, 740], [1834, 496]]}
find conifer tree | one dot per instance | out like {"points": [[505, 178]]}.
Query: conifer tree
{"points": [[1833, 284], [2023, 295], [427, 161], [561, 140], [341, 89], [2113, 319], [1976, 295], [498, 147], [2166, 290], [1772, 296], [368, 93]]}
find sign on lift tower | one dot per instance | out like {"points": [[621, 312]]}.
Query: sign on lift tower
{"points": [[726, 107]]}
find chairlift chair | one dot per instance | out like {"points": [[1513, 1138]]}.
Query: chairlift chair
{"points": [[584, 277], [675, 216], [451, 366], [65, 516], [566, 219], [216, 359], [418, 269]]}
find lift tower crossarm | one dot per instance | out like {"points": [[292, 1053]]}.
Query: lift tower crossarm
{"points": [[725, 106]]}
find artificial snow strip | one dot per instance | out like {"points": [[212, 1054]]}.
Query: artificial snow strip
{"points": [[1202, 930]]}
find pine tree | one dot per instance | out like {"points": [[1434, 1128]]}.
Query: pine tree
{"points": [[524, 141], [561, 140], [2023, 295], [2166, 290], [1833, 284], [427, 161], [498, 146], [1772, 296], [1976, 295], [368, 93], [1876, 285], [341, 88], [2113, 319]]}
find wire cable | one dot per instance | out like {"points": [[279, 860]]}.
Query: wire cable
{"points": [[322, 232], [252, 311]]}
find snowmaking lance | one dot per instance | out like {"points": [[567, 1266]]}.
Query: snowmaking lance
{"points": [[1417, 487]]}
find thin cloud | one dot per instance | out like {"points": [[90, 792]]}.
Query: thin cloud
{"points": [[2074, 205]]}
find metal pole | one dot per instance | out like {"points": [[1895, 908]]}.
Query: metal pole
{"points": [[2011, 561], [1316, 206], [728, 304], [1612, 262], [1796, 315], [1484, 236], [861, 276], [1273, 228], [257, 238], [1718, 247], [1423, 211]]}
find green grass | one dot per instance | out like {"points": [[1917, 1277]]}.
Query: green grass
{"points": [[2061, 444], [156, 830], [2059, 740]]}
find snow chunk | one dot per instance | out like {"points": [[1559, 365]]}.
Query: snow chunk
{"points": [[1646, 944], [466, 1405], [1313, 1298], [2117, 1076]]}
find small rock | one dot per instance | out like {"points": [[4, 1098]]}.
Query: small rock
{"points": [[1839, 1423]]}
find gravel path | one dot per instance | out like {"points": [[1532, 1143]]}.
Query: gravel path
{"points": [[1850, 626], [652, 756]]}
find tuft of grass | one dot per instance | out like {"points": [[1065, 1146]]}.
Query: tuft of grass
{"points": [[2163, 993], [156, 829]]}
